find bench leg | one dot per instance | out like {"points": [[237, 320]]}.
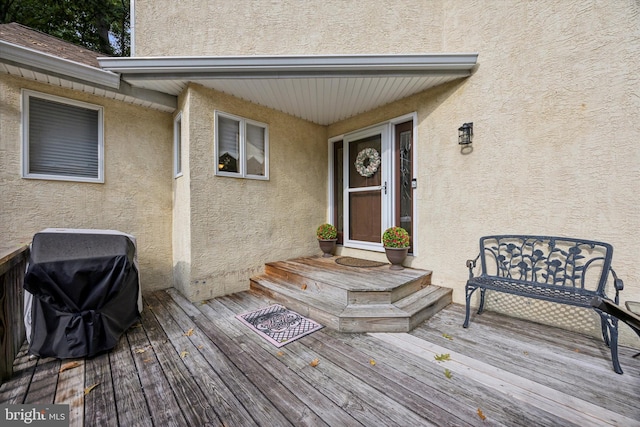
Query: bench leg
{"points": [[481, 306], [604, 324], [469, 290], [610, 336]]}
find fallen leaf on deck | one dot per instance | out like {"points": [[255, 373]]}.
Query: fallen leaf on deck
{"points": [[68, 366], [147, 360], [280, 353], [481, 415], [442, 357], [314, 362], [577, 350], [372, 362], [200, 347], [447, 373], [189, 332], [91, 387], [447, 336], [304, 287], [141, 350], [183, 354]]}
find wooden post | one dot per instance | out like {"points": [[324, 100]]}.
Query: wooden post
{"points": [[12, 332]]}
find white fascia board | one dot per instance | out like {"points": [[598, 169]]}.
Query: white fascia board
{"points": [[47, 63], [291, 66]]}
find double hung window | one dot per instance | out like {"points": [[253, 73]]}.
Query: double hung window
{"points": [[241, 147], [62, 139]]}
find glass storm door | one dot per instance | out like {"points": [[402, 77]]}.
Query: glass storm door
{"points": [[367, 174]]}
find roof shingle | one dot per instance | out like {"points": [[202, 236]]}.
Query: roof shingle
{"points": [[24, 36]]}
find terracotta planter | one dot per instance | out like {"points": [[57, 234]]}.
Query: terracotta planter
{"points": [[327, 247], [396, 257]]}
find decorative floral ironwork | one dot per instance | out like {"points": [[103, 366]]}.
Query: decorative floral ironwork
{"points": [[543, 260]]}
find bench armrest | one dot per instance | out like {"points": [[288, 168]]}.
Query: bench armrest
{"points": [[471, 264], [618, 285]]}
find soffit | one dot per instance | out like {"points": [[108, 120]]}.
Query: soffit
{"points": [[320, 89]]}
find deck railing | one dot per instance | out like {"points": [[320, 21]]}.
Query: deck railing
{"points": [[12, 332]]}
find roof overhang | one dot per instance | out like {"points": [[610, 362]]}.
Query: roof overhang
{"points": [[46, 63], [40, 66], [323, 89]]}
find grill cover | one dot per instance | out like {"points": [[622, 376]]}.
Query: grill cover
{"points": [[85, 291]]}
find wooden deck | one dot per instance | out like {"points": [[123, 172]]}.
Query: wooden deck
{"points": [[196, 365]]}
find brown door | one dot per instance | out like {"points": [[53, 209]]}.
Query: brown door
{"points": [[365, 188]]}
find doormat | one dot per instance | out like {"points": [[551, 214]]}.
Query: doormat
{"points": [[357, 262], [278, 325]]}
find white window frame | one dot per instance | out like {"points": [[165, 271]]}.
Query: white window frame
{"points": [[26, 96], [242, 160], [177, 146]]}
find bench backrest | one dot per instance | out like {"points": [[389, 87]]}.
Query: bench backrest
{"points": [[547, 260]]}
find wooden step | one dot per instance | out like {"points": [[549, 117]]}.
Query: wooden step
{"points": [[375, 285], [350, 299]]}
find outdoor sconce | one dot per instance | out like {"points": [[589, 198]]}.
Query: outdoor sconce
{"points": [[465, 134]]}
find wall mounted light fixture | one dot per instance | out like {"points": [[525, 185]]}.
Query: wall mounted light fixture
{"points": [[465, 134]]}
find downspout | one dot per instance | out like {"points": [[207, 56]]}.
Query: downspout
{"points": [[132, 25]]}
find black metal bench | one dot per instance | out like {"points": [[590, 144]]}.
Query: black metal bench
{"points": [[557, 269]]}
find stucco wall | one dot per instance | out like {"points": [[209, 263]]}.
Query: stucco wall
{"points": [[554, 102], [135, 197], [239, 224], [182, 205], [247, 27]]}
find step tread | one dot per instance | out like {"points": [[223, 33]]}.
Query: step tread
{"points": [[326, 270], [417, 300]]}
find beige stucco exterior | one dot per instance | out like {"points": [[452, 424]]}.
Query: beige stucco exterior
{"points": [[554, 100], [236, 225], [136, 194]]}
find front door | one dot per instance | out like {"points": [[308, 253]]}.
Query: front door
{"points": [[373, 184], [366, 187]]}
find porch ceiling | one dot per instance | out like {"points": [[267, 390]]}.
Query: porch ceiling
{"points": [[321, 89]]}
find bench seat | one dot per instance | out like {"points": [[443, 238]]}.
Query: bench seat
{"points": [[557, 269]]}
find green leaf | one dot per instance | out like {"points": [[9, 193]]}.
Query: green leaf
{"points": [[443, 357], [447, 373]]}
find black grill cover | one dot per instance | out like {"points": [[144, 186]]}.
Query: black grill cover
{"points": [[85, 292]]}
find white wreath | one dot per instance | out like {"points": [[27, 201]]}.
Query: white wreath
{"points": [[374, 162]]}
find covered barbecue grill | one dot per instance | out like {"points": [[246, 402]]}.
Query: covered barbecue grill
{"points": [[82, 291]]}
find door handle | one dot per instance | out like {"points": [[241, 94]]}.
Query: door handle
{"points": [[384, 187]]}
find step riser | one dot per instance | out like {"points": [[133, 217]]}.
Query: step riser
{"points": [[311, 286], [431, 310], [324, 318], [299, 280]]}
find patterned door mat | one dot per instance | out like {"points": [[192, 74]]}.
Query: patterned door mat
{"points": [[278, 325]]}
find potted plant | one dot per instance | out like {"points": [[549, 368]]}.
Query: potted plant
{"points": [[396, 246], [327, 237]]}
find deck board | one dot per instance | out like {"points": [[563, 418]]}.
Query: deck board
{"points": [[196, 364], [220, 397]]}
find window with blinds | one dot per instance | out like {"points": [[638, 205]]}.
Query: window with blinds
{"points": [[241, 147], [62, 139]]}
